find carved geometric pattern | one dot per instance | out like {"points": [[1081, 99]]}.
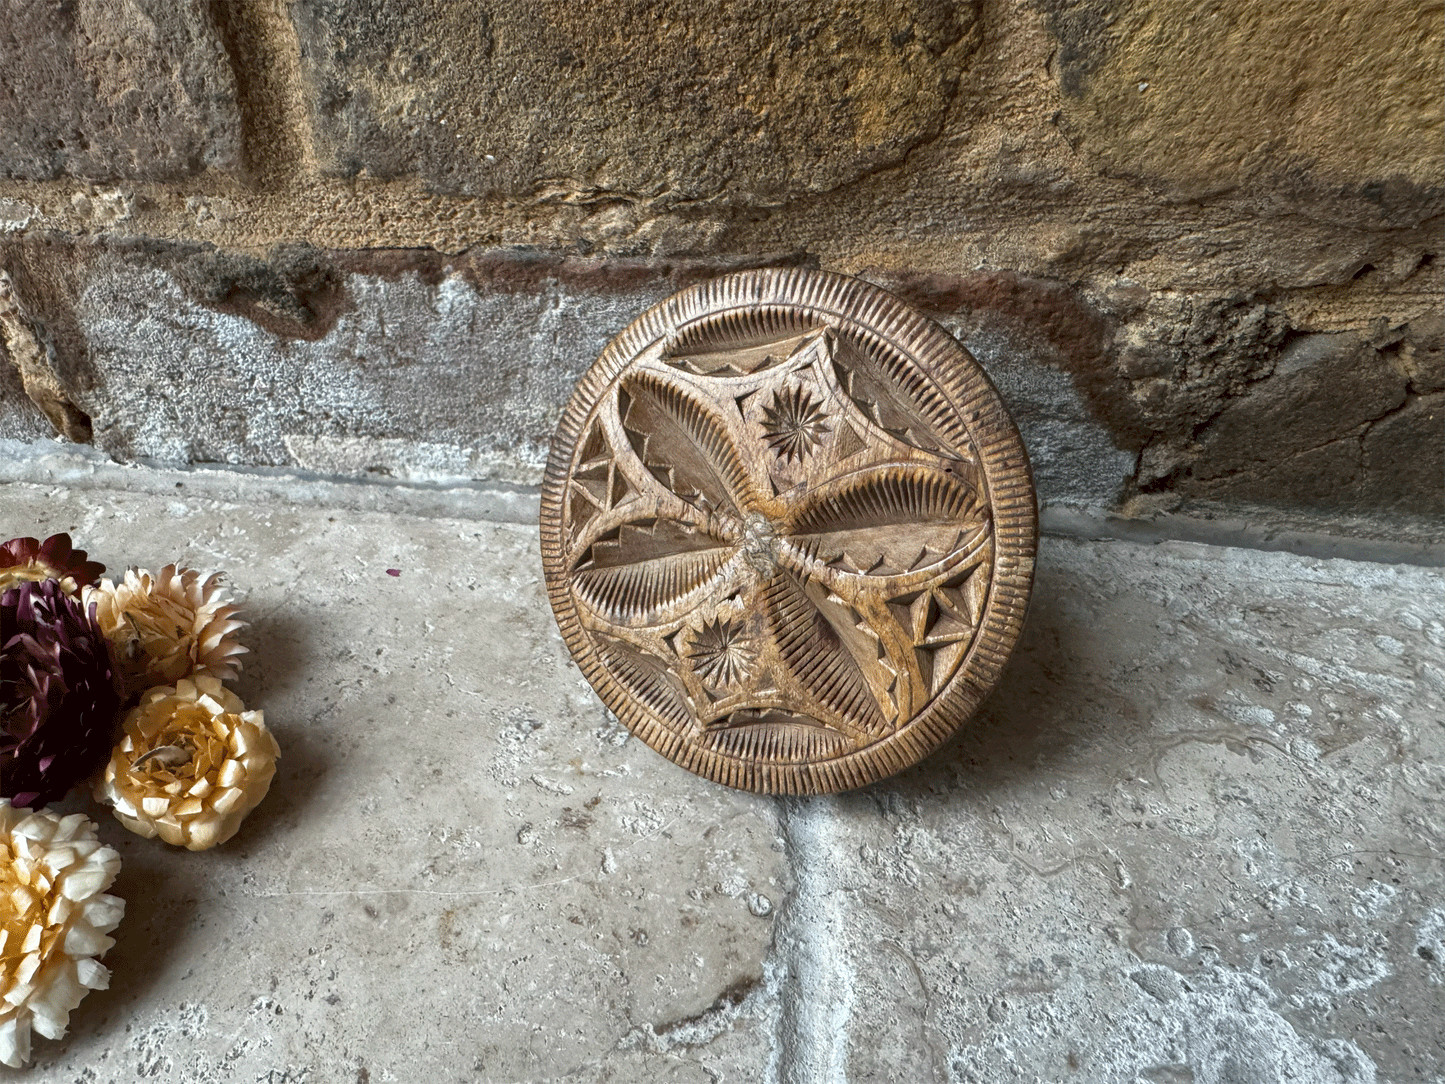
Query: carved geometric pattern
{"points": [[788, 531], [793, 423], [720, 653]]}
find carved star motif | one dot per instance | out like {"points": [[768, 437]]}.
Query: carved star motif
{"points": [[719, 652], [793, 423]]}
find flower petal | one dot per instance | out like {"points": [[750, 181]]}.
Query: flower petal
{"points": [[83, 939], [634, 571], [900, 522], [684, 445], [14, 1038]]}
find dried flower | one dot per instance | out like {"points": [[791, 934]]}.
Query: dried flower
{"points": [[25, 560], [54, 918], [169, 626], [191, 764], [57, 698]]}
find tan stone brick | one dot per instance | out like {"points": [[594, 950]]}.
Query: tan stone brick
{"points": [[1296, 98], [616, 101], [109, 91]]}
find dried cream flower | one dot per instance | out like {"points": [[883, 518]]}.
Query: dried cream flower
{"points": [[192, 762], [54, 917], [169, 626]]}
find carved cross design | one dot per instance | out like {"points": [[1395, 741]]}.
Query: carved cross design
{"points": [[776, 542]]}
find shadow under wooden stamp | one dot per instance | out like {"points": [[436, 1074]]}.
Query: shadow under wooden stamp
{"points": [[788, 531]]}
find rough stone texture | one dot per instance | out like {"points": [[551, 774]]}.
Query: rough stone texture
{"points": [[33, 366], [1309, 422], [935, 157], [1289, 98], [463, 865], [21, 415], [416, 366], [621, 101], [1195, 835], [20, 419], [431, 369], [1216, 296], [414, 372], [139, 90]]}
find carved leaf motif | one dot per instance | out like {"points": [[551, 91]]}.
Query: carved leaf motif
{"points": [[889, 522], [900, 399], [636, 571], [774, 735], [684, 446], [648, 679], [740, 360], [826, 653]]}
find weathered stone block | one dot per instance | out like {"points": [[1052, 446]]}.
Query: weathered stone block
{"points": [[415, 366], [1323, 388], [1403, 458], [407, 373], [20, 419], [1329, 101], [1335, 426], [140, 90], [30, 358], [617, 101], [1421, 353], [1048, 351], [1187, 840], [1193, 834]]}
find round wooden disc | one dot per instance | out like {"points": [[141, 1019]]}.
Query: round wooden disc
{"points": [[788, 531]]}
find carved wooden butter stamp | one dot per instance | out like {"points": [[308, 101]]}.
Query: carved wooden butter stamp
{"points": [[788, 531]]}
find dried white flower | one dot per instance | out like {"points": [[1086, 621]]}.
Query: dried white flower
{"points": [[54, 918], [192, 762], [170, 625]]}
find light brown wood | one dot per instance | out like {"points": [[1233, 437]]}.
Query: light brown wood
{"points": [[788, 531]]}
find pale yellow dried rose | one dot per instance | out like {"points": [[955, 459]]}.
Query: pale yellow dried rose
{"points": [[192, 762], [170, 625], [54, 918]]}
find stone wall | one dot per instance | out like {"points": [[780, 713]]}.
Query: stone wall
{"points": [[1195, 245]]}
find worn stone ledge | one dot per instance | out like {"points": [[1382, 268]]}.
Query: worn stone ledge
{"points": [[421, 367], [458, 832], [1194, 835]]}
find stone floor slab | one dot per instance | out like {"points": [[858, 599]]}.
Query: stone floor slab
{"points": [[464, 870], [1194, 836]]}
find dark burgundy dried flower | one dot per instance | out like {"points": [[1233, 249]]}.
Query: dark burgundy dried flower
{"points": [[23, 560], [58, 702]]}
